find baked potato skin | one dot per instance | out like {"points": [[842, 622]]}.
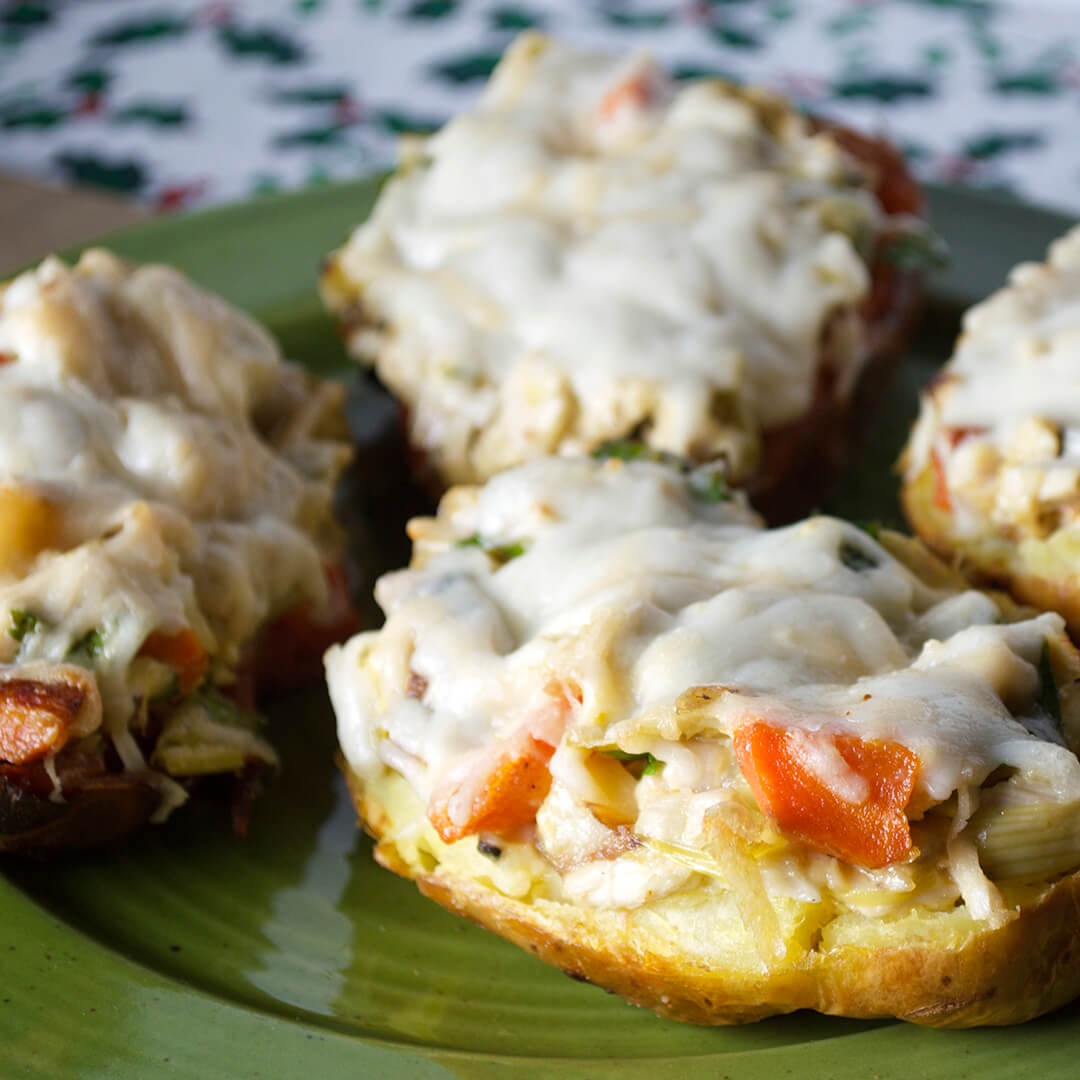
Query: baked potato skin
{"points": [[1001, 976], [105, 811]]}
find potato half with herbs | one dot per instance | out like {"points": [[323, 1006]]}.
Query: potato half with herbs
{"points": [[992, 468], [596, 252], [165, 531], [723, 771]]}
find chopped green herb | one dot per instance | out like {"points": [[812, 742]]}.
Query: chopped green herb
{"points": [[492, 851], [652, 765], [636, 450], [647, 763], [916, 248], [22, 624], [1049, 698], [87, 649], [854, 558], [871, 528], [503, 553], [500, 553], [623, 449], [709, 482]]}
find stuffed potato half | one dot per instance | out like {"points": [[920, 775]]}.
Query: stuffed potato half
{"points": [[992, 467], [724, 771], [596, 251], [167, 539]]}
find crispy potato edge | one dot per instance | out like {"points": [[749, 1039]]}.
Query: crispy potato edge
{"points": [[1000, 976]]}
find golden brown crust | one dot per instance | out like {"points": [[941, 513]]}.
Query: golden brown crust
{"points": [[1002, 975]]}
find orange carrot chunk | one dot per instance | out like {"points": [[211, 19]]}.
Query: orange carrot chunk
{"points": [[183, 652], [871, 830], [514, 783]]}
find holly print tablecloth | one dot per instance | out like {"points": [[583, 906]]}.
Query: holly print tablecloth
{"points": [[178, 103]]}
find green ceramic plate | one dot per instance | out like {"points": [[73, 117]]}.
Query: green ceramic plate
{"points": [[193, 954]]}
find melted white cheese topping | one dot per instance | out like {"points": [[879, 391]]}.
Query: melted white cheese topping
{"points": [[160, 468], [593, 248], [633, 592], [1004, 418]]}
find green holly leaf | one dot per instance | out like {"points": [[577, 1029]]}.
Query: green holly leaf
{"points": [[124, 175], [31, 115], [849, 22], [307, 7], [153, 115], [89, 81], [656, 19], [993, 144], [693, 70], [936, 55], [884, 88], [1042, 83], [325, 94], [735, 38], [138, 31], [972, 7], [324, 135], [514, 19], [431, 9], [18, 22], [473, 67], [26, 15], [401, 123], [261, 43]]}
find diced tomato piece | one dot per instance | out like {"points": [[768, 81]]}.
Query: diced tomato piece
{"points": [[635, 92], [183, 652], [942, 499], [872, 832]]}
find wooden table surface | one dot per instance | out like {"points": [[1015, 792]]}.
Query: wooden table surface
{"points": [[36, 219]]}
